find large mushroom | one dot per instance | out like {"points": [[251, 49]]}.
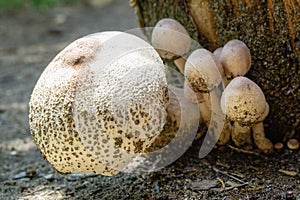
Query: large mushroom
{"points": [[245, 105], [101, 101]]}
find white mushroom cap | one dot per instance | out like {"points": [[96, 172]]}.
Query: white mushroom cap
{"points": [[243, 101], [265, 114], [218, 53], [202, 71], [235, 59], [97, 102], [170, 38]]}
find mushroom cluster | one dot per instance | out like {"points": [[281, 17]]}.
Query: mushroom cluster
{"points": [[237, 111]]}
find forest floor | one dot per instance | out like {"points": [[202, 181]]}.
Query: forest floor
{"points": [[29, 39]]}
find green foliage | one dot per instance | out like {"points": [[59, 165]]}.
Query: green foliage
{"points": [[43, 3], [11, 4], [48, 3], [8, 5]]}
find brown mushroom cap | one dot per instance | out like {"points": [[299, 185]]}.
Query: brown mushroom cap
{"points": [[96, 102], [278, 146], [202, 71], [170, 38], [235, 59], [243, 101], [293, 144]]}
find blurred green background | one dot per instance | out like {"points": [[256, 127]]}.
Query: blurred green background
{"points": [[11, 5]]}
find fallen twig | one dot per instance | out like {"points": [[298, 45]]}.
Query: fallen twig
{"points": [[222, 183], [235, 186], [227, 174], [289, 173], [243, 150]]}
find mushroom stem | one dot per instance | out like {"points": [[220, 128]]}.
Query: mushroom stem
{"points": [[202, 99], [205, 108], [241, 134], [225, 134], [222, 127], [260, 139]]}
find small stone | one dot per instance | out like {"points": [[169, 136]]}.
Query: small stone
{"points": [[60, 19], [25, 174], [13, 153], [49, 177], [204, 184], [20, 175], [72, 177], [26, 179]]}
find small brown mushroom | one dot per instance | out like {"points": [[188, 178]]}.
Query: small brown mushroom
{"points": [[278, 146], [293, 144]]}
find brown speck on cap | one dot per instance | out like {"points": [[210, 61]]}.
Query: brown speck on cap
{"points": [[79, 52]]}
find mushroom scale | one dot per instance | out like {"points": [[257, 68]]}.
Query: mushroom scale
{"points": [[99, 102]]}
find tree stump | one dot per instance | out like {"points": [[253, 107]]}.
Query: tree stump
{"points": [[271, 29]]}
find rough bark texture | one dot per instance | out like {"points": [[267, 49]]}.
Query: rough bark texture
{"points": [[271, 29]]}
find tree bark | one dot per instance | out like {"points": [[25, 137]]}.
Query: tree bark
{"points": [[271, 29]]}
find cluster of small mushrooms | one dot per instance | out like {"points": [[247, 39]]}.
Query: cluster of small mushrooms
{"points": [[242, 101], [104, 98]]}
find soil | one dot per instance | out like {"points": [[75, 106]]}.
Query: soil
{"points": [[29, 39]]}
